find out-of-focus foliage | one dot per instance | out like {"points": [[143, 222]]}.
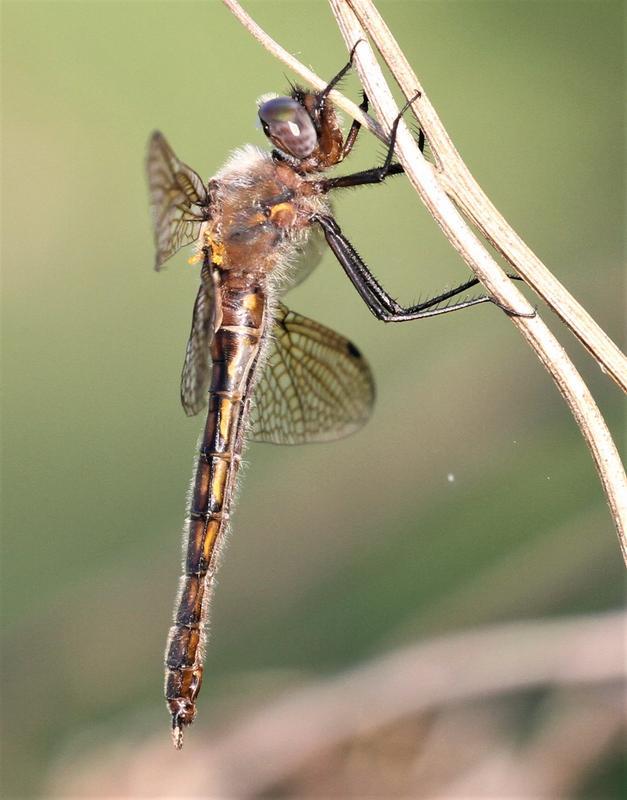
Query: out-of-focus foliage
{"points": [[469, 498]]}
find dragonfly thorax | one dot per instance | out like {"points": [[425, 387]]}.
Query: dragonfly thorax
{"points": [[261, 213]]}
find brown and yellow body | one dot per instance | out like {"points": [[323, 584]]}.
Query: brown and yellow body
{"points": [[256, 364], [263, 221], [235, 349], [262, 369]]}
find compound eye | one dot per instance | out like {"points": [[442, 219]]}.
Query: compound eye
{"points": [[288, 125]]}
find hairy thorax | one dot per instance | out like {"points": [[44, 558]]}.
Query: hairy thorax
{"points": [[261, 213]]}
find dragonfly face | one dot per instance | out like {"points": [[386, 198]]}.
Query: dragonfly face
{"points": [[262, 371], [304, 128], [288, 126]]}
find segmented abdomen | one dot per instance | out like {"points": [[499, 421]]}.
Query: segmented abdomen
{"points": [[235, 352]]}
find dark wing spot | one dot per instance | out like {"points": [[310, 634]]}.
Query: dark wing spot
{"points": [[352, 350]]}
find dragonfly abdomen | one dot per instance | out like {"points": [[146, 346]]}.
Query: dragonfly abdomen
{"points": [[234, 352]]}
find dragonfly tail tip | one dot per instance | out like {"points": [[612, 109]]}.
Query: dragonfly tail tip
{"points": [[177, 737]]}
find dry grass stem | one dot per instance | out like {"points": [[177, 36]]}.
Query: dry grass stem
{"points": [[577, 661], [451, 181], [460, 185], [310, 77], [412, 680]]}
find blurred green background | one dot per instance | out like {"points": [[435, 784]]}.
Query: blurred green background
{"points": [[469, 498]]}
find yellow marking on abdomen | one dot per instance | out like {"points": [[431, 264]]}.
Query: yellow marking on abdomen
{"points": [[241, 329], [227, 415], [251, 301]]}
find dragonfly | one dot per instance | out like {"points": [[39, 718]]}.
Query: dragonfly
{"points": [[263, 372]]}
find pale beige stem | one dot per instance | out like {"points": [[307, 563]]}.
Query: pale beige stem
{"points": [[459, 183], [312, 80], [570, 652], [434, 192], [451, 179]]}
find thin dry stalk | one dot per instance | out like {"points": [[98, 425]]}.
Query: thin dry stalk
{"points": [[311, 79], [256, 751], [451, 669], [458, 182], [451, 179]]}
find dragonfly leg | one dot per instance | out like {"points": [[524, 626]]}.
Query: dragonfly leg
{"points": [[376, 174], [351, 138], [322, 96], [383, 305]]}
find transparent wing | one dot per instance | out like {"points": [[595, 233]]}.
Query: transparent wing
{"points": [[315, 387], [178, 199], [197, 366], [307, 259]]}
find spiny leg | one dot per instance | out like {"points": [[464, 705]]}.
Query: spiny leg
{"points": [[380, 303], [351, 138], [322, 96], [321, 99]]}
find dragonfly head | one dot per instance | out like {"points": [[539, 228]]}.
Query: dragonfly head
{"points": [[289, 126]]}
